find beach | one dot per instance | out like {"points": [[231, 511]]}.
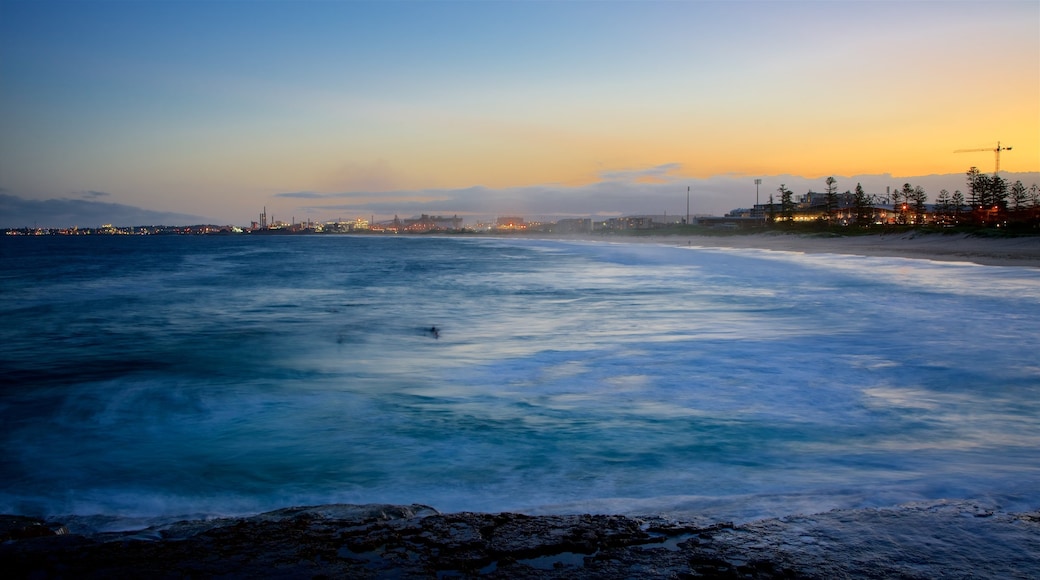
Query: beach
{"points": [[989, 251]]}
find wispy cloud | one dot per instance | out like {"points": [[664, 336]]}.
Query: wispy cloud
{"points": [[659, 173], [16, 212], [653, 190], [303, 195], [616, 192], [331, 195]]}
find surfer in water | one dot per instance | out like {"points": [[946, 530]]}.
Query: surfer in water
{"points": [[435, 332]]}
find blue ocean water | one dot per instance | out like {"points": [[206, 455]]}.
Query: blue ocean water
{"points": [[187, 376]]}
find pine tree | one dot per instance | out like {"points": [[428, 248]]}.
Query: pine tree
{"points": [[998, 193], [919, 199], [863, 211], [943, 207], [957, 205], [1019, 196], [831, 199], [786, 204], [977, 187], [908, 198]]}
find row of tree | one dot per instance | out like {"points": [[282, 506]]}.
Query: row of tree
{"points": [[991, 201]]}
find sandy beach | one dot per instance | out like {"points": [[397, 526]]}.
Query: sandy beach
{"points": [[1012, 251]]}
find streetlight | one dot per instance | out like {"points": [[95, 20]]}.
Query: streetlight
{"points": [[757, 183]]}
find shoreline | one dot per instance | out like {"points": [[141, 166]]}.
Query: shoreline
{"points": [[1016, 251], [1022, 251]]}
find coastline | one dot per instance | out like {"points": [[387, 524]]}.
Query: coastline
{"points": [[1023, 251]]}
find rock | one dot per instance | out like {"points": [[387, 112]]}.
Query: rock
{"points": [[22, 527], [380, 541], [353, 541]]}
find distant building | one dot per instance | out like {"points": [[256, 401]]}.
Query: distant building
{"points": [[740, 220], [572, 226], [510, 223], [812, 207], [641, 222], [342, 227], [428, 223]]}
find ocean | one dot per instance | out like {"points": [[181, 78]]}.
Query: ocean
{"points": [[163, 377]]}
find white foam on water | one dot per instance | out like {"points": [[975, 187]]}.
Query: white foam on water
{"points": [[566, 376]]}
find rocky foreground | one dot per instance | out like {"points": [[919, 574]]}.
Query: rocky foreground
{"points": [[949, 540]]}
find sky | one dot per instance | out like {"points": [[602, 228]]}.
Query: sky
{"points": [[211, 110]]}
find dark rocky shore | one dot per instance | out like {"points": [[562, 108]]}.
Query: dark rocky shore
{"points": [[949, 540]]}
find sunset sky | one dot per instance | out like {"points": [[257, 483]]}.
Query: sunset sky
{"points": [[323, 109]]}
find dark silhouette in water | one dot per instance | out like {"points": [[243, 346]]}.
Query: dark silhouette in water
{"points": [[435, 332]]}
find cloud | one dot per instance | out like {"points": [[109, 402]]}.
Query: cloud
{"points": [[657, 174], [17, 212], [655, 190], [303, 195], [95, 194], [599, 199], [378, 175], [317, 195]]}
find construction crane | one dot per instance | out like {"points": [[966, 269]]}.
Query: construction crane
{"points": [[995, 152]]}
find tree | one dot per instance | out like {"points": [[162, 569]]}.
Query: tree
{"points": [[864, 214], [988, 196], [1019, 196], [831, 199], [943, 207], [917, 200], [772, 210], [1034, 205], [998, 193], [786, 203], [957, 205], [908, 198], [976, 188]]}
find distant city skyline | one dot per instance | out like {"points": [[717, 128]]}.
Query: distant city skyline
{"points": [[208, 111], [615, 199], [624, 200]]}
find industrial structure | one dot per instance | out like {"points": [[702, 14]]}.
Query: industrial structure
{"points": [[996, 152]]}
